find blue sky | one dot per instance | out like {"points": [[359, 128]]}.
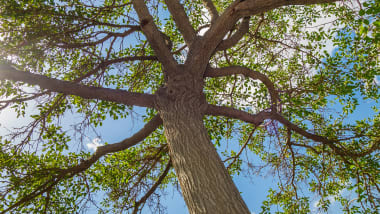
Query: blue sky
{"points": [[254, 188]]}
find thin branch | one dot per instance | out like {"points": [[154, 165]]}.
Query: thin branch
{"points": [[180, 49], [39, 191], [234, 70], [16, 100], [70, 88], [113, 61], [331, 143], [108, 36], [241, 149], [182, 20], [306, 146], [147, 168], [47, 200], [24, 99], [259, 24], [291, 47], [106, 7], [151, 126], [153, 188], [289, 145]]}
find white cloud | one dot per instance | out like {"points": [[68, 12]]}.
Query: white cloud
{"points": [[94, 144]]}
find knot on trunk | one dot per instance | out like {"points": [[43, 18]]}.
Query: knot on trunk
{"points": [[182, 93]]}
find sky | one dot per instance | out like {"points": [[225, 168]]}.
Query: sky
{"points": [[253, 187]]}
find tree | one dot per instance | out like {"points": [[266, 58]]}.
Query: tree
{"points": [[254, 72]]}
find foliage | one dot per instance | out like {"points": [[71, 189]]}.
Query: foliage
{"points": [[100, 43]]}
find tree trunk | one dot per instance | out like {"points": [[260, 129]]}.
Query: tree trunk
{"points": [[205, 183]]}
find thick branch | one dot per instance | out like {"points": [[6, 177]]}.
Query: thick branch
{"points": [[154, 36], [181, 20], [88, 92], [211, 9], [236, 37], [234, 70], [255, 119], [201, 51], [84, 165], [238, 9], [254, 7], [152, 125]]}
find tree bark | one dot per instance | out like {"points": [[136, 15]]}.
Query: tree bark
{"points": [[205, 183]]}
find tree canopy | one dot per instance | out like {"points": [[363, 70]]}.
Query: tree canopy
{"points": [[278, 79]]}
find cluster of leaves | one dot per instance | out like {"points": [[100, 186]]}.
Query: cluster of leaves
{"points": [[84, 43], [27, 173], [309, 78]]}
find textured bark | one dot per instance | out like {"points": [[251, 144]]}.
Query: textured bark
{"points": [[71, 88], [205, 183]]}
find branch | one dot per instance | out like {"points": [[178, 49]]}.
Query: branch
{"points": [[154, 36], [255, 119], [181, 20], [151, 126], [16, 100], [234, 70], [113, 61], [235, 157], [305, 146], [202, 50], [236, 37], [153, 188], [238, 9], [211, 9], [289, 146], [108, 36], [254, 7], [291, 47], [331, 143], [70, 88]]}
